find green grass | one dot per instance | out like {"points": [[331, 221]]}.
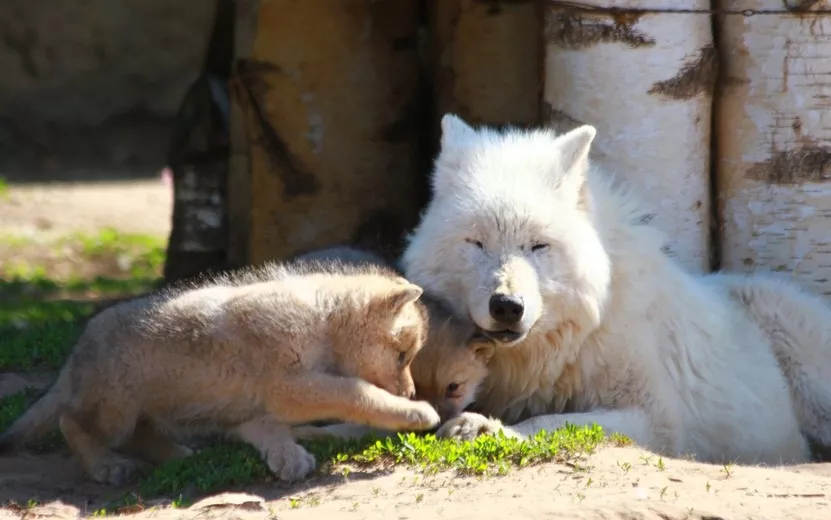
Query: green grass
{"points": [[230, 465], [40, 314], [13, 406], [227, 465], [145, 254], [4, 188]]}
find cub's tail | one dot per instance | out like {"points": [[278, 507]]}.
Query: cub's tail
{"points": [[799, 325], [39, 419]]}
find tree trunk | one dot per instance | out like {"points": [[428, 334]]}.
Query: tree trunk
{"points": [[644, 79], [773, 128], [326, 126]]}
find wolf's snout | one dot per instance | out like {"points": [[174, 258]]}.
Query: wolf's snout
{"points": [[506, 309]]}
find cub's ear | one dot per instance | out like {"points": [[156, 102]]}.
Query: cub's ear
{"points": [[454, 130], [483, 347], [393, 302]]}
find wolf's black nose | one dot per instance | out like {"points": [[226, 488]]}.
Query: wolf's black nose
{"points": [[506, 309]]}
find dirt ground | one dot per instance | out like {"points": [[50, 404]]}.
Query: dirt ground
{"points": [[131, 206], [618, 483]]}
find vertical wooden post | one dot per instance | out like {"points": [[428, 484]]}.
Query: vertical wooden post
{"points": [[330, 100], [642, 73], [773, 129], [487, 58]]}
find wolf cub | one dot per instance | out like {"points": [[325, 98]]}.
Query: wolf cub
{"points": [[247, 355], [447, 371]]}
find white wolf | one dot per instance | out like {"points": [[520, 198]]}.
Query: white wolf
{"points": [[560, 265]]}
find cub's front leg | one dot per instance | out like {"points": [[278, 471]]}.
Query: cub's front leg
{"points": [[285, 458], [311, 397]]}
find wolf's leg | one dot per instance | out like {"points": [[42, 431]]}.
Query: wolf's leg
{"points": [[148, 444], [339, 431], [100, 463], [312, 397], [631, 422], [285, 458]]}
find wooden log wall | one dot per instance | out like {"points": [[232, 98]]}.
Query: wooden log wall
{"points": [[645, 80], [335, 110], [328, 113], [773, 139], [487, 60]]}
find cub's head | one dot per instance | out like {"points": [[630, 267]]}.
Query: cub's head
{"points": [[508, 237], [453, 363], [379, 332]]}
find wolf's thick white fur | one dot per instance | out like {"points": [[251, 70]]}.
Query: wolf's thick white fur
{"points": [[613, 331]]}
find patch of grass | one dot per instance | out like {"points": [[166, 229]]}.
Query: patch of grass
{"points": [[4, 188], [13, 406], [40, 313], [232, 465], [45, 348], [143, 253]]}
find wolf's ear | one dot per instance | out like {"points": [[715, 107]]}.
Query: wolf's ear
{"points": [[482, 347], [574, 147], [446, 172], [454, 130], [394, 302]]}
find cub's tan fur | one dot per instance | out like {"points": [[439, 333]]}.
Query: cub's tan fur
{"points": [[247, 355], [453, 363], [447, 371]]}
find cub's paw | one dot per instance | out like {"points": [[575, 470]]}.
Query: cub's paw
{"points": [[421, 416], [468, 426], [290, 462], [115, 470]]}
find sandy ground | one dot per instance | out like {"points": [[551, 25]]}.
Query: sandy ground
{"points": [[618, 483], [131, 206]]}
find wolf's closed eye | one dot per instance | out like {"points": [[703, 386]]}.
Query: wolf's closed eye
{"points": [[539, 247], [476, 243]]}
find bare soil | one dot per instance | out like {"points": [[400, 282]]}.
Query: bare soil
{"points": [[618, 482]]}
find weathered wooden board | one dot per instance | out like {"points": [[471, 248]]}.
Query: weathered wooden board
{"points": [[487, 60], [325, 130], [645, 80], [773, 134]]}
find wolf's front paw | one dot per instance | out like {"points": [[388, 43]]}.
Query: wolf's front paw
{"points": [[115, 470], [422, 416], [468, 426], [290, 462]]}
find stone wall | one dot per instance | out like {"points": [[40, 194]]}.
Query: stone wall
{"points": [[70, 66]]}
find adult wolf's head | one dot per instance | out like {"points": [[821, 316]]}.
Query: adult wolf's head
{"points": [[508, 237]]}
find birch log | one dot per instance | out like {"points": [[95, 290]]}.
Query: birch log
{"points": [[325, 130], [645, 80], [773, 129], [487, 60]]}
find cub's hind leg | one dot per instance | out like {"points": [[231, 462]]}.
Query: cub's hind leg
{"points": [[150, 445], [93, 434]]}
